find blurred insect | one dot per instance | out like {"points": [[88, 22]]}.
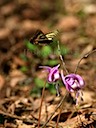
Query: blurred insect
{"points": [[41, 38]]}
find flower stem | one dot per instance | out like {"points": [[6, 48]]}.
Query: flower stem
{"points": [[42, 97], [85, 56], [61, 58], [62, 100], [59, 113]]}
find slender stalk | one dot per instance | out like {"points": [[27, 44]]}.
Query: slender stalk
{"points": [[62, 100], [61, 58], [42, 97], [85, 56], [59, 114]]}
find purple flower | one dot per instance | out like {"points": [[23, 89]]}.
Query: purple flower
{"points": [[73, 83], [53, 73]]}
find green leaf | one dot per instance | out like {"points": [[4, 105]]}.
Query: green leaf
{"points": [[24, 69], [23, 57], [81, 14], [30, 46], [35, 92], [47, 85], [54, 44], [39, 82], [52, 89], [52, 62], [64, 50], [46, 51]]}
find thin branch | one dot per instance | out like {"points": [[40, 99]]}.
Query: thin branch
{"points": [[59, 114], [64, 65], [62, 100], [85, 56], [42, 97]]}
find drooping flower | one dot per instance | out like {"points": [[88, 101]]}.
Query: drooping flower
{"points": [[53, 73], [73, 83]]}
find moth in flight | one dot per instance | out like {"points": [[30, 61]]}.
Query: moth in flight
{"points": [[41, 38]]}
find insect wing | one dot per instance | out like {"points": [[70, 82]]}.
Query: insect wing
{"points": [[41, 38], [39, 35], [51, 35]]}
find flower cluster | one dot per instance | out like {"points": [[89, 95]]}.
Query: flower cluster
{"points": [[72, 82]]}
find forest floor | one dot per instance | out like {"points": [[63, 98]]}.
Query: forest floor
{"points": [[21, 79]]}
